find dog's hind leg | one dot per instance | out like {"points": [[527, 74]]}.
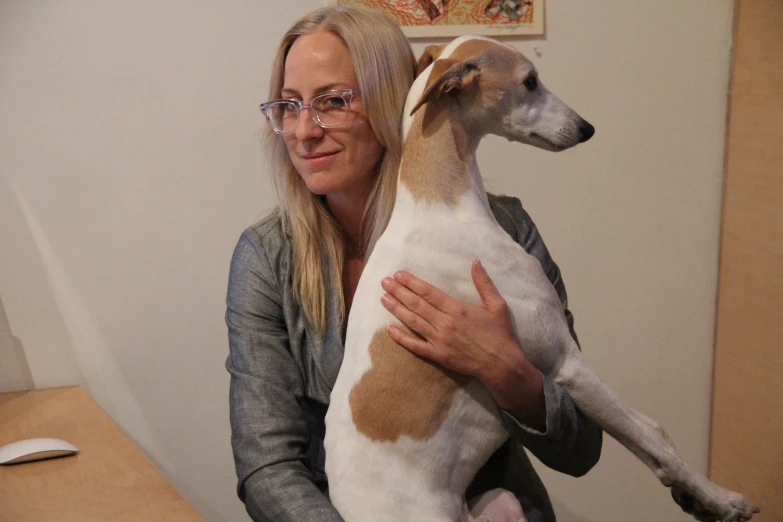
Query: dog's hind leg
{"points": [[645, 439], [495, 505]]}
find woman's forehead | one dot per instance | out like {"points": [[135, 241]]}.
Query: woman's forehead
{"points": [[316, 60]]}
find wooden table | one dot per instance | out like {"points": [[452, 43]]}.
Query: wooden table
{"points": [[110, 479]]}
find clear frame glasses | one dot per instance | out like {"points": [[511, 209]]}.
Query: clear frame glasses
{"points": [[328, 109]]}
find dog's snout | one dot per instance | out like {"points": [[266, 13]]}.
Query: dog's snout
{"points": [[586, 131]]}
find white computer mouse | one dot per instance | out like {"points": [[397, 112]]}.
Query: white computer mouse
{"points": [[28, 450]]}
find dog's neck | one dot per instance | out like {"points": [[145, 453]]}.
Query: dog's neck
{"points": [[439, 158]]}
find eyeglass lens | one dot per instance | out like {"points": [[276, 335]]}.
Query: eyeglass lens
{"points": [[327, 110]]}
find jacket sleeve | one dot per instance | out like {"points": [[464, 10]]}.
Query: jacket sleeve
{"points": [[572, 442], [269, 429]]}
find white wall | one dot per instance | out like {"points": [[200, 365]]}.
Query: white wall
{"points": [[129, 164]]}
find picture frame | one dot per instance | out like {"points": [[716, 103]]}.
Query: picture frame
{"points": [[446, 18]]}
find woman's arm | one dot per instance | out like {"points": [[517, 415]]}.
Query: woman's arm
{"points": [[269, 430]]}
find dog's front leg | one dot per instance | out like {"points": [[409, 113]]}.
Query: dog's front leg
{"points": [[648, 441]]}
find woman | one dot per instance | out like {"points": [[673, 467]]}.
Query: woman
{"points": [[339, 85]]}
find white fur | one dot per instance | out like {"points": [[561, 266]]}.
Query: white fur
{"points": [[374, 481]]}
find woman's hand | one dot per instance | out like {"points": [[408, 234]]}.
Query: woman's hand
{"points": [[475, 340]]}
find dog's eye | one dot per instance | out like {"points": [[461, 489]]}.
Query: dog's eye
{"points": [[530, 83]]}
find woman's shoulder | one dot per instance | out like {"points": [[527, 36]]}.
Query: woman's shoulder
{"points": [[509, 213], [267, 233], [503, 203], [263, 242]]}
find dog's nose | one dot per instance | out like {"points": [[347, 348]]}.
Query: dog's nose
{"points": [[586, 131]]}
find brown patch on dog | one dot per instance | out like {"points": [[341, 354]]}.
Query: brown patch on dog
{"points": [[502, 61], [431, 53], [436, 170], [432, 170], [471, 60], [448, 76], [401, 394]]}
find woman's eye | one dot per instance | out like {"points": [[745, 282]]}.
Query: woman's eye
{"points": [[334, 101], [530, 83]]}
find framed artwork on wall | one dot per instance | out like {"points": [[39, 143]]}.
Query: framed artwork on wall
{"points": [[437, 18]]}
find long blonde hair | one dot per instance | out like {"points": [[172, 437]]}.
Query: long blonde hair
{"points": [[385, 67]]}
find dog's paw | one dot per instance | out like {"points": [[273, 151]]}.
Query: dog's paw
{"points": [[734, 509], [740, 510]]}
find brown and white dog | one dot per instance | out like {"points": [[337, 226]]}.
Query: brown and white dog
{"points": [[404, 437]]}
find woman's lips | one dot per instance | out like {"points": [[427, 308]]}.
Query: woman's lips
{"points": [[319, 155], [319, 158]]}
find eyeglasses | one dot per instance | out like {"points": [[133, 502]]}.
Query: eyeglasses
{"points": [[328, 109]]}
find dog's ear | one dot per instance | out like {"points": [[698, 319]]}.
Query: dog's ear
{"points": [[430, 54], [447, 76]]}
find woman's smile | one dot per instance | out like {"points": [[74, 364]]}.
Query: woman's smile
{"points": [[318, 159]]}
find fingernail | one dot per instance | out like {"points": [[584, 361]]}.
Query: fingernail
{"points": [[479, 265], [386, 281]]}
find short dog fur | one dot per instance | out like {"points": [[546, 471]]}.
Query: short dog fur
{"points": [[404, 437]]}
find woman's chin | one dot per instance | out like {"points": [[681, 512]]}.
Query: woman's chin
{"points": [[322, 183]]}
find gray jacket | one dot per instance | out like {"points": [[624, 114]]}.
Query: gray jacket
{"points": [[282, 373]]}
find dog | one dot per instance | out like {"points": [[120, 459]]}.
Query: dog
{"points": [[404, 437]]}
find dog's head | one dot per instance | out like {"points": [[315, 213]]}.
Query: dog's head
{"points": [[497, 91]]}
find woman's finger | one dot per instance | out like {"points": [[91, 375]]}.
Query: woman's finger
{"points": [[486, 288], [412, 301], [431, 294], [413, 344], [410, 319]]}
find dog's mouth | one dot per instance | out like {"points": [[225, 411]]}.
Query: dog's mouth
{"points": [[542, 143]]}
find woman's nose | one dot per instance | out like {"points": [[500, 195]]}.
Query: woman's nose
{"points": [[307, 128]]}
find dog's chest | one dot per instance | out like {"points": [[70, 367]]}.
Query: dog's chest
{"points": [[391, 405], [437, 245], [437, 240], [352, 272]]}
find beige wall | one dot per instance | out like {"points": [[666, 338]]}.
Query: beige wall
{"points": [[129, 165]]}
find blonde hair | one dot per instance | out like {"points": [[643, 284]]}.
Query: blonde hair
{"points": [[385, 67]]}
